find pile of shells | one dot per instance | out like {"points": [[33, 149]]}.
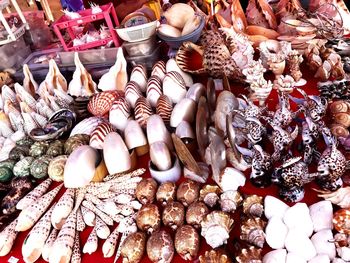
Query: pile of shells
{"points": [[332, 90]]}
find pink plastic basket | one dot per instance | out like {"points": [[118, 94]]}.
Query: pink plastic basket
{"points": [[108, 14]]}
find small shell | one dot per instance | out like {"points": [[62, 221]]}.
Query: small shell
{"points": [[253, 205], [188, 192], [249, 255], [230, 200], [139, 76], [18, 152], [341, 220], [154, 90], [173, 215], [174, 86], [55, 149], [215, 256], [339, 130], [39, 167], [56, 168], [75, 141], [160, 247], [148, 218], [86, 126], [100, 104], [120, 113], [187, 242], [339, 106], [342, 118], [99, 134], [38, 149], [143, 111], [195, 92], [164, 108], [195, 214], [159, 70], [132, 93], [102, 229], [252, 231], [22, 167], [133, 247], [166, 193], [91, 243], [146, 190], [209, 194]]}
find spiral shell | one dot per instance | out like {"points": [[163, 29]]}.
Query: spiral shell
{"points": [[159, 70], [253, 205], [252, 231], [173, 215], [75, 141], [56, 168], [164, 108], [230, 200], [38, 149], [100, 103], [339, 106], [55, 149], [132, 93], [215, 256], [143, 111], [39, 167], [339, 130], [249, 255], [99, 134], [154, 90], [209, 194], [22, 167], [139, 75], [342, 118], [341, 220]]}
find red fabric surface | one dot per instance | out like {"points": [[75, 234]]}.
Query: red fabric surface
{"points": [[310, 195]]}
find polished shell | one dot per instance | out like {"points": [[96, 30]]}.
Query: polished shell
{"points": [[174, 86], [132, 93], [99, 134], [154, 90], [156, 131], [139, 75], [120, 113], [160, 156], [134, 135], [143, 111], [183, 111], [56, 168], [164, 108], [159, 70]]}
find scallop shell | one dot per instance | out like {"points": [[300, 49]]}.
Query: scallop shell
{"points": [[38, 149], [22, 167], [159, 70], [139, 75], [39, 167], [143, 111], [56, 168], [164, 108], [230, 200], [100, 104], [174, 86], [154, 90], [56, 148], [132, 93], [209, 194], [120, 113], [342, 118], [339, 106], [252, 231], [341, 220], [253, 205], [99, 134], [249, 255]]}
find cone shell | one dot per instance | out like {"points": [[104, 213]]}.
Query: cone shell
{"points": [[187, 242], [99, 134], [56, 168], [341, 221], [252, 231], [132, 93], [143, 111], [253, 205], [164, 108], [76, 254], [174, 86], [139, 75], [48, 244], [120, 113], [159, 70], [62, 209], [230, 200], [154, 90], [100, 104], [133, 247]]}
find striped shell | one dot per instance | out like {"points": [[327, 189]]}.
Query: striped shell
{"points": [[86, 126], [100, 104], [164, 108], [159, 70], [174, 86], [341, 220], [56, 168], [132, 93], [120, 113], [98, 135], [154, 90], [143, 111], [39, 167], [139, 75], [22, 167]]}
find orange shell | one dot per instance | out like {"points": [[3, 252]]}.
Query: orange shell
{"points": [[341, 221]]}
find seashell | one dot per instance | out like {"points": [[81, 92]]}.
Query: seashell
{"points": [[339, 106], [187, 192], [217, 157], [166, 193], [18, 152], [172, 65], [209, 194], [274, 207], [253, 205], [146, 190], [76, 254], [342, 118], [139, 76], [275, 225], [297, 242], [340, 219], [216, 227], [54, 79], [174, 86], [187, 242], [133, 247], [178, 14], [120, 113], [91, 243], [38, 149], [39, 167], [8, 94], [135, 138], [173, 215], [88, 216], [22, 167], [252, 231], [24, 96], [86, 126], [62, 209], [164, 108], [195, 91], [143, 111], [159, 70], [299, 216], [110, 244], [156, 131], [321, 215], [117, 77], [195, 214], [148, 218], [214, 256], [320, 240], [55, 149], [160, 156], [100, 103], [249, 255], [132, 93], [225, 105], [107, 219], [99, 134], [7, 238], [231, 179], [154, 90], [80, 221], [278, 255], [46, 251], [201, 177], [184, 110], [339, 197], [56, 168], [102, 230], [169, 31], [324, 259], [5, 125], [230, 200], [160, 247], [191, 25], [339, 130], [114, 147]]}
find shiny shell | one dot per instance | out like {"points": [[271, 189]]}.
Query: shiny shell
{"points": [[342, 118], [120, 113], [187, 242], [5, 174], [148, 218], [132, 93], [195, 214], [209, 194], [253, 205], [74, 142], [18, 152], [249, 255], [215, 256], [56, 148], [173, 215], [154, 90], [166, 193], [100, 104], [39, 167], [99, 134], [339, 106], [8, 164], [159, 70], [38, 149], [22, 167], [139, 75], [174, 86], [339, 130], [252, 231], [133, 247], [188, 192], [146, 190], [56, 168], [341, 220], [164, 108], [143, 111], [160, 247]]}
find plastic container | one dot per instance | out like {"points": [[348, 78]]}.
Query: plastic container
{"points": [[138, 33], [51, 53], [141, 48], [147, 60], [13, 54], [93, 56]]}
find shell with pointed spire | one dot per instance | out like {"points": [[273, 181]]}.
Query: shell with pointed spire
{"points": [[29, 82], [249, 255], [253, 205], [252, 231]]}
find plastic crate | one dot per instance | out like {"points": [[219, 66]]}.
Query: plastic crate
{"points": [[147, 60], [108, 14], [35, 66]]}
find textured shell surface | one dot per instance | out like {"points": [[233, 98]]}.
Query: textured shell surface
{"points": [[8, 164], [215, 256], [188, 192], [209, 194], [22, 167], [195, 214], [173, 215], [253, 205], [100, 104], [174, 86], [55, 148], [18, 152], [341, 220], [159, 70], [160, 247], [38, 149], [99, 134], [252, 231], [166, 193], [132, 93], [75, 141], [164, 108], [133, 247], [154, 90], [26, 142], [143, 110], [148, 218], [187, 242], [39, 166], [249, 255], [56, 168], [119, 113], [86, 126], [139, 75]]}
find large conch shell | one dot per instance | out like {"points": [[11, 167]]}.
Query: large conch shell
{"points": [[54, 80], [81, 84], [29, 82], [117, 77], [260, 13]]}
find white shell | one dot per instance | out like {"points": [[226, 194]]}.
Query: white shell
{"points": [[321, 215], [174, 86], [298, 217], [134, 135], [322, 245], [276, 232], [154, 90], [119, 113], [132, 93], [156, 131], [274, 207], [171, 65], [86, 126], [139, 75], [275, 256], [183, 111], [160, 156], [159, 70], [116, 154], [344, 253], [195, 92], [231, 179], [294, 258], [171, 175], [297, 242], [320, 259], [184, 130]]}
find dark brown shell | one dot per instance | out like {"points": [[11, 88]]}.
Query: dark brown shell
{"points": [[133, 247], [252, 231], [160, 247], [164, 108], [188, 192], [253, 205], [173, 215], [187, 242], [148, 218], [195, 214], [146, 190], [143, 110], [166, 193]]}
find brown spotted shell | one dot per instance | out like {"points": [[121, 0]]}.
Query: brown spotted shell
{"points": [[187, 242], [173, 215], [166, 193], [132, 93], [154, 90], [164, 108], [99, 134], [133, 247], [75, 141], [146, 190], [209, 194], [148, 218], [100, 103], [249, 255], [160, 247], [215, 256], [253, 205], [159, 69], [143, 110], [188, 192], [341, 220], [252, 231], [195, 214], [230, 200]]}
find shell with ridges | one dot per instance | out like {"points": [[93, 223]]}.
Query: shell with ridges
{"points": [[56, 168], [99, 134], [340, 197], [154, 90], [341, 221], [249, 255], [55, 149], [132, 93], [100, 104], [164, 108], [74, 142], [86, 126], [339, 106], [342, 118], [253, 205], [159, 70], [39, 167], [120, 113], [252, 231], [38, 149], [209, 194], [143, 110], [22, 167]]}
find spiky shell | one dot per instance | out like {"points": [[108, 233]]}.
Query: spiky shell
{"points": [[22, 167], [253, 205], [55, 148], [249, 255], [56, 168], [100, 104], [39, 167], [230, 200], [143, 110], [99, 134], [341, 220], [75, 141], [19, 152], [215, 256], [252, 231], [164, 108], [209, 194]]}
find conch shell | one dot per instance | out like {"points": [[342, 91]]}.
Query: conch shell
{"points": [[54, 80], [29, 82]]}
